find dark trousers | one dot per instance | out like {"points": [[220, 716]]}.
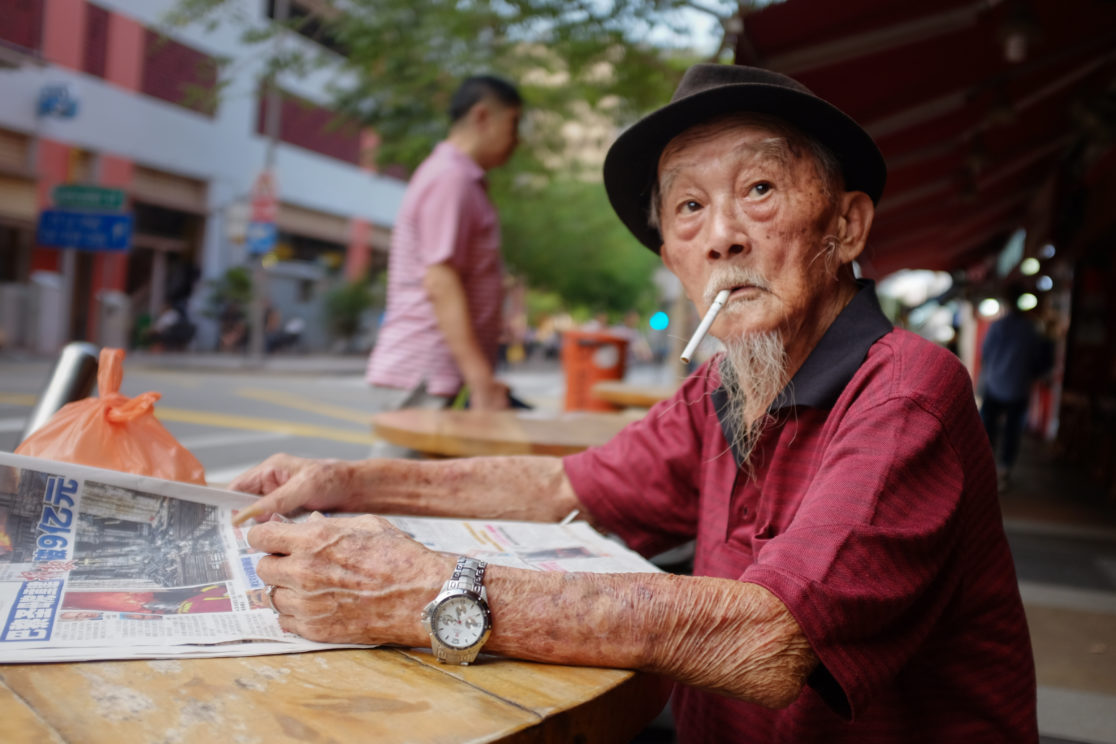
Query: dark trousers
{"points": [[1011, 413]]}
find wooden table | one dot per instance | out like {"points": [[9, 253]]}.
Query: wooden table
{"points": [[631, 395], [472, 433], [352, 695]]}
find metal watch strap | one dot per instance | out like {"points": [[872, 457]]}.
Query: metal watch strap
{"points": [[468, 574], [467, 579]]}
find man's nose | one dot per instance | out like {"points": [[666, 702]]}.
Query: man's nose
{"points": [[727, 236]]}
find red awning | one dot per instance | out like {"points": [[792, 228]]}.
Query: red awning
{"points": [[977, 144]]}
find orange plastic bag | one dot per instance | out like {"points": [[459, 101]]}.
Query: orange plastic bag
{"points": [[114, 432]]}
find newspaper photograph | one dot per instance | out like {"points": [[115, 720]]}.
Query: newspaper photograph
{"points": [[99, 564]]}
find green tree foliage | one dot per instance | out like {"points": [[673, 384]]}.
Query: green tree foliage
{"points": [[561, 54], [232, 290], [346, 304], [399, 61], [564, 238]]}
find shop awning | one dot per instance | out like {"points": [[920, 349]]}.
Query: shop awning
{"points": [[989, 112]]}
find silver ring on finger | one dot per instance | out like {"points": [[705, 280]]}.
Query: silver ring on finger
{"points": [[271, 597]]}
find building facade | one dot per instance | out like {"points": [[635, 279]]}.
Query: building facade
{"points": [[100, 93]]}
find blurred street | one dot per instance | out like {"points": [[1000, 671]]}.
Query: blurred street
{"points": [[231, 416], [237, 177]]}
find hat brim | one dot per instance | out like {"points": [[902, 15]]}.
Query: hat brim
{"points": [[631, 166]]}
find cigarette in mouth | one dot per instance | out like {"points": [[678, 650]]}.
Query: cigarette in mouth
{"points": [[703, 327]]}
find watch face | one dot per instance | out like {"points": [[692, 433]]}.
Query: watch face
{"points": [[459, 622]]}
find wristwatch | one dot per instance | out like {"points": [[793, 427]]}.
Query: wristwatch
{"points": [[458, 619]]}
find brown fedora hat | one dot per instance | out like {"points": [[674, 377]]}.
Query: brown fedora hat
{"points": [[709, 90]]}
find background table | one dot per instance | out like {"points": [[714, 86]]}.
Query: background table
{"points": [[353, 695], [470, 433], [632, 395]]}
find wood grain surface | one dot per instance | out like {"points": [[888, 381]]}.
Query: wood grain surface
{"points": [[352, 695], [630, 395], [472, 433]]}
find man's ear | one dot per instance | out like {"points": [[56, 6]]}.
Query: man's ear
{"points": [[482, 112], [853, 225]]}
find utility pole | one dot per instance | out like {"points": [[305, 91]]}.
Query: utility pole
{"points": [[272, 117]]}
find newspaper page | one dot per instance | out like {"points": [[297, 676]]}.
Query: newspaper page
{"points": [[99, 564]]}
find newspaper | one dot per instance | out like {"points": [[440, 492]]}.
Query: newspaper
{"points": [[99, 564]]}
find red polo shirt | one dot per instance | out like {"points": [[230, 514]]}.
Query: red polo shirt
{"points": [[873, 515]]}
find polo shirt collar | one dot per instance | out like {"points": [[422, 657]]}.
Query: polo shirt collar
{"points": [[831, 365], [450, 151]]}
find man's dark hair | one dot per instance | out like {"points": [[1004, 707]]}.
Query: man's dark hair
{"points": [[475, 89]]}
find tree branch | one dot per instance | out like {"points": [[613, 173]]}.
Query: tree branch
{"points": [[715, 12]]}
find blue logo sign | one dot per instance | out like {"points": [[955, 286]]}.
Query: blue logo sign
{"points": [[86, 231], [57, 100], [261, 238]]}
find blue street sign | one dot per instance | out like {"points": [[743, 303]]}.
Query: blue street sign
{"points": [[261, 238], [86, 231], [57, 100]]}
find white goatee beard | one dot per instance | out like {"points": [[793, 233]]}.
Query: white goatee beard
{"points": [[753, 374]]}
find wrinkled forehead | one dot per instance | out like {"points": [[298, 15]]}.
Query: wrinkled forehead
{"points": [[747, 141], [747, 137]]}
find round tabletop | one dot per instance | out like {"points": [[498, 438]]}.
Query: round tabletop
{"points": [[628, 394], [468, 433], [389, 696]]}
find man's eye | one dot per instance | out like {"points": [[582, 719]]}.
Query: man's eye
{"points": [[761, 188]]}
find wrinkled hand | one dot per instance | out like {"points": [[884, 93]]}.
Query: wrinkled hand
{"points": [[288, 483], [489, 396], [349, 579]]}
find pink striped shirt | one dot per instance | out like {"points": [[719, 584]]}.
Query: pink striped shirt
{"points": [[446, 217]]}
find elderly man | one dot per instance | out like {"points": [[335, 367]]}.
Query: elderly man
{"points": [[852, 579]]}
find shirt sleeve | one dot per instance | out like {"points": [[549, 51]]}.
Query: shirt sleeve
{"points": [[442, 217], [643, 484], [865, 566]]}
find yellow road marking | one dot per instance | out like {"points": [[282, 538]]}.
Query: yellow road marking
{"points": [[251, 423], [228, 421], [299, 403]]}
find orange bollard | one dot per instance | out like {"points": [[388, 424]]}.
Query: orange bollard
{"points": [[587, 358]]}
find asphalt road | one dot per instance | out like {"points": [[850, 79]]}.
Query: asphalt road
{"points": [[230, 421], [232, 417]]}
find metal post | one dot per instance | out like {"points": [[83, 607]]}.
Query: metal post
{"points": [[66, 299], [73, 378], [272, 116]]}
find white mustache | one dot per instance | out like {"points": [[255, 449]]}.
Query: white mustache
{"points": [[727, 277]]}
